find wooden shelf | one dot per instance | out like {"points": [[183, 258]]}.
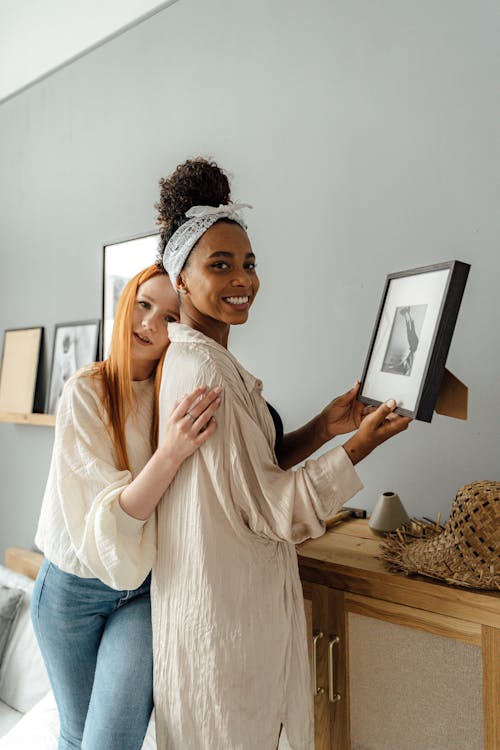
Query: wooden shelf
{"points": [[43, 420]]}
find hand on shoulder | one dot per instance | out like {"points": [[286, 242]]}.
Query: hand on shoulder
{"points": [[191, 423]]}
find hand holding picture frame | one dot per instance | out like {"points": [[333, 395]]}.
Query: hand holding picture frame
{"points": [[411, 338]]}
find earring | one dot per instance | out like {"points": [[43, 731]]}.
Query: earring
{"points": [[180, 290]]}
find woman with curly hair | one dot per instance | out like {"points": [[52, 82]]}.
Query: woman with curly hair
{"points": [[230, 650], [91, 604]]}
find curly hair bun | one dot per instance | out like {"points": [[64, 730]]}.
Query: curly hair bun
{"points": [[196, 182]]}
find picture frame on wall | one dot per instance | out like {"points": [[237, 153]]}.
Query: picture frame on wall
{"points": [[121, 261], [75, 345], [20, 370], [411, 338]]}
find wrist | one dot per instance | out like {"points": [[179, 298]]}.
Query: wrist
{"points": [[321, 429], [357, 449], [169, 459]]}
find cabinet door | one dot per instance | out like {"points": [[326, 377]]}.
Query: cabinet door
{"points": [[327, 647], [411, 689]]}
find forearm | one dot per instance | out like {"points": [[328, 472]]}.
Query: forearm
{"points": [[144, 493], [301, 443], [190, 424]]}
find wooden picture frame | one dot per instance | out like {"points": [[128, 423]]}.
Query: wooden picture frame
{"points": [[121, 261], [75, 345], [20, 370], [412, 336]]}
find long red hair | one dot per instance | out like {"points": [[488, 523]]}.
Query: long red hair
{"points": [[115, 372]]}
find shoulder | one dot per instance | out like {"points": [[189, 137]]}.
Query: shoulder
{"points": [[82, 392], [190, 348], [193, 359], [87, 380], [200, 363]]}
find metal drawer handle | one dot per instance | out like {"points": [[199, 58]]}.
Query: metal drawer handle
{"points": [[332, 696], [316, 690]]}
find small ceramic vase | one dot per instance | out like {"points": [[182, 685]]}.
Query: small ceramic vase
{"points": [[388, 513]]}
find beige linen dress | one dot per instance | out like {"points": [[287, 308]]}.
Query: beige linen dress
{"points": [[229, 633]]}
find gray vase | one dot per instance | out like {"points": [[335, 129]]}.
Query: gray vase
{"points": [[388, 513]]}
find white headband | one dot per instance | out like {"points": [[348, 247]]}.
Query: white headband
{"points": [[200, 218]]}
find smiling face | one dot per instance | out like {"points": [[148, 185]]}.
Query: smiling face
{"points": [[155, 306], [219, 281]]}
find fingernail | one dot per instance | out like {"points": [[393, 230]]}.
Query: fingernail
{"points": [[218, 389], [390, 403]]}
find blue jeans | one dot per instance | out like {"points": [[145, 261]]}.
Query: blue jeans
{"points": [[97, 646]]}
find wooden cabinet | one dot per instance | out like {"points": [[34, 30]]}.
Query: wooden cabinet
{"points": [[398, 663]]}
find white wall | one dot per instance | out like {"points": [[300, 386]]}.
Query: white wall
{"points": [[366, 136]]}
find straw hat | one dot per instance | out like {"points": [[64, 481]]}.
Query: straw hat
{"points": [[465, 552]]}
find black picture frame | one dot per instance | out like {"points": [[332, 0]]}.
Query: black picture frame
{"points": [[121, 260], [75, 344], [411, 338]]}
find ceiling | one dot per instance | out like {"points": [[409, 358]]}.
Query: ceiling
{"points": [[37, 38]]}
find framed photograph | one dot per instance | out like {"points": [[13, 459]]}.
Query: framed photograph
{"points": [[75, 345], [121, 261], [20, 373], [411, 338]]}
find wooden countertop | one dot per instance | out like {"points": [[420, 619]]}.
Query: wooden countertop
{"points": [[346, 558]]}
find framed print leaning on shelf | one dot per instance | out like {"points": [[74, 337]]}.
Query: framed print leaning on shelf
{"points": [[75, 345], [20, 372], [412, 335], [121, 261]]}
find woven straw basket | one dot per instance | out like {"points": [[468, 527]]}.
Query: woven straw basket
{"points": [[464, 552]]}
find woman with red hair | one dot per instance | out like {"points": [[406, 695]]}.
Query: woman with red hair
{"points": [[97, 529]]}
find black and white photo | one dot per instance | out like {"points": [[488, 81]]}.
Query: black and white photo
{"points": [[75, 345], [404, 339]]}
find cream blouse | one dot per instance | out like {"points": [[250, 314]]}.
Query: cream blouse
{"points": [[82, 527], [230, 650]]}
